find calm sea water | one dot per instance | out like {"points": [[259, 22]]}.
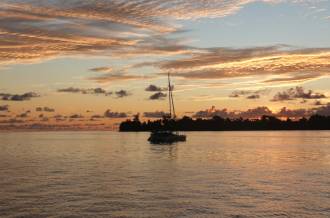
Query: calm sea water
{"points": [[213, 174]]}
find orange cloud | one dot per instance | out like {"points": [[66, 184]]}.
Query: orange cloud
{"points": [[37, 30], [274, 64], [113, 77]]}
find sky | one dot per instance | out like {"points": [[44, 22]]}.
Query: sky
{"points": [[90, 64]]}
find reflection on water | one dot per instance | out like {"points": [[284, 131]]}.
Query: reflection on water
{"points": [[213, 174]]}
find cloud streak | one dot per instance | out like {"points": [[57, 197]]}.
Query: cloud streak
{"points": [[34, 30], [116, 77], [92, 91], [250, 94], [275, 64], [37, 30]]}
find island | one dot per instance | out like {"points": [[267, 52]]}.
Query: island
{"points": [[217, 123]]}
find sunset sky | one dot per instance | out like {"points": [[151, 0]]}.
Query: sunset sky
{"points": [[94, 63]]}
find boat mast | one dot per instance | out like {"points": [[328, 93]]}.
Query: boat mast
{"points": [[174, 115], [170, 98], [169, 94]]}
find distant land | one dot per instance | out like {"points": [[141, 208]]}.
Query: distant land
{"points": [[217, 123]]}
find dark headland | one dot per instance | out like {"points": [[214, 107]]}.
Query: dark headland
{"points": [[315, 122]]}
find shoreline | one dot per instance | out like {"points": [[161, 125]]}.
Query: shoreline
{"points": [[105, 130]]}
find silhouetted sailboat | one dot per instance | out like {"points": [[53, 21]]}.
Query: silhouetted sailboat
{"points": [[167, 136]]}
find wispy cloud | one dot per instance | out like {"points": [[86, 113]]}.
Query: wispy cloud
{"points": [[37, 30], [250, 94], [34, 30], [102, 69], [274, 64], [93, 91], [96, 91], [115, 77]]}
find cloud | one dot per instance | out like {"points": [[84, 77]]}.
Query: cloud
{"points": [[59, 118], [38, 30], [44, 119], [275, 64], [225, 113], [93, 91], [250, 94], [122, 93], [100, 91], [115, 77], [12, 121], [156, 114], [18, 97], [254, 96], [76, 116], [297, 93], [209, 113], [102, 69], [109, 114], [258, 112], [71, 90], [294, 113], [24, 115], [158, 96], [96, 116], [324, 110], [318, 103], [239, 93], [4, 108], [154, 88], [45, 109]]}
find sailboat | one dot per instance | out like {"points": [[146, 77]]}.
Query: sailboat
{"points": [[167, 136]]}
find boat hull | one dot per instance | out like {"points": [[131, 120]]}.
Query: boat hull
{"points": [[166, 138]]}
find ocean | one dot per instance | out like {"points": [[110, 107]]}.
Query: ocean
{"points": [[213, 174]]}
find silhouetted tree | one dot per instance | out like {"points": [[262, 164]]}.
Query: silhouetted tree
{"points": [[217, 123]]}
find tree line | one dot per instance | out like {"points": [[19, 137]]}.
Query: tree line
{"points": [[315, 122]]}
